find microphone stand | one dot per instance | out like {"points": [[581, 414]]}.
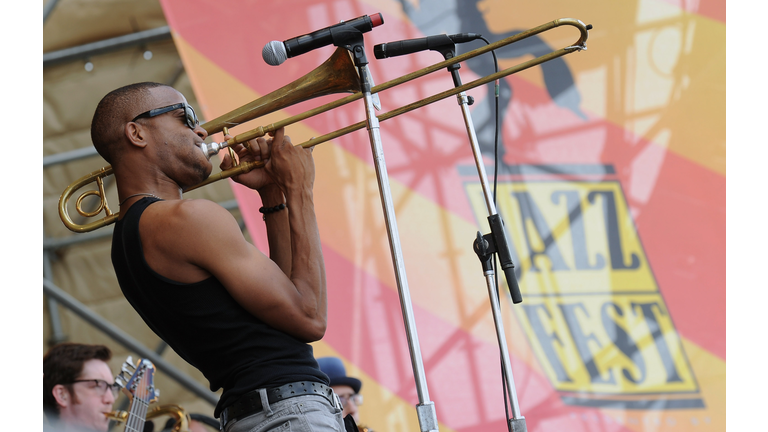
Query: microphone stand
{"points": [[352, 39], [486, 245]]}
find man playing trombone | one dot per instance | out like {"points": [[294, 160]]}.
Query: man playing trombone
{"points": [[242, 318]]}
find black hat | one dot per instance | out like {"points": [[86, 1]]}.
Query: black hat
{"points": [[334, 368]]}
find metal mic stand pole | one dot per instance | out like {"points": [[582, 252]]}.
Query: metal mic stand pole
{"points": [[352, 39], [486, 246]]}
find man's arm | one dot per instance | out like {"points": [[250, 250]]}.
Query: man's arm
{"points": [[288, 292], [278, 228], [277, 224], [293, 170]]}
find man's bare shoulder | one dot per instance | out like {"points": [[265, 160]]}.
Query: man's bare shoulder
{"points": [[193, 208], [180, 236], [188, 208], [188, 214], [188, 226]]}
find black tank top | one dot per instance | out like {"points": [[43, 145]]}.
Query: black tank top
{"points": [[205, 325]]}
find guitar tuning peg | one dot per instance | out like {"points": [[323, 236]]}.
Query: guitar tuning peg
{"points": [[129, 361], [120, 381], [125, 370], [157, 392]]}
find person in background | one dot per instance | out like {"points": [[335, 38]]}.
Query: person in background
{"points": [[78, 386]]}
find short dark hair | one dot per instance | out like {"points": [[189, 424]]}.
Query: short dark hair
{"points": [[63, 364], [113, 111]]}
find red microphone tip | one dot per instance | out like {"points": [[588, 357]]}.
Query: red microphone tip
{"points": [[377, 20]]}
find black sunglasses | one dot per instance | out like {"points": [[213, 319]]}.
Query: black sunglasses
{"points": [[189, 114]]}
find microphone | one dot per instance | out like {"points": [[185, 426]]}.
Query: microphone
{"points": [[409, 46], [276, 52]]}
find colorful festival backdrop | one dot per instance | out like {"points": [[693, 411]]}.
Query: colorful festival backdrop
{"points": [[610, 181]]}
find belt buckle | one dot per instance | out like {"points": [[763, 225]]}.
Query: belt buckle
{"points": [[336, 401], [222, 420]]}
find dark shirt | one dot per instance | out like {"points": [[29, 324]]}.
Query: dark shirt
{"points": [[204, 324]]}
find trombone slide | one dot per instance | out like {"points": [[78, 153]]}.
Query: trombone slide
{"points": [[336, 75]]}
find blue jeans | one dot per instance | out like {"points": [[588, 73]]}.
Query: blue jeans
{"points": [[309, 413]]}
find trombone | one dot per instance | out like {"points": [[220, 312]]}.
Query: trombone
{"points": [[335, 75]]}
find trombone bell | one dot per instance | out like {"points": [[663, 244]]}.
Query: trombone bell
{"points": [[336, 75]]}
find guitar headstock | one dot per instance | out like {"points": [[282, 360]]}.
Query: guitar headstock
{"points": [[141, 383]]}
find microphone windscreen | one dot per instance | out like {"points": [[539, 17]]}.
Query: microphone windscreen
{"points": [[274, 53]]}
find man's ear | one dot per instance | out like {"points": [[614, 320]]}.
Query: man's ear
{"points": [[62, 396], [136, 134]]}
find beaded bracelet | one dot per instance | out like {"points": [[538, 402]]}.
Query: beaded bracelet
{"points": [[267, 210]]}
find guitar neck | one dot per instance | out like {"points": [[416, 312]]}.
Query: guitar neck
{"points": [[137, 416], [141, 389]]}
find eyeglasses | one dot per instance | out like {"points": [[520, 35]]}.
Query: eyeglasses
{"points": [[189, 114], [356, 398], [101, 385]]}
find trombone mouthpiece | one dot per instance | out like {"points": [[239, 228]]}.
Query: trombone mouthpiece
{"points": [[212, 148], [117, 415]]}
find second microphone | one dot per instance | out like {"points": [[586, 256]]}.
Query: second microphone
{"points": [[410, 46]]}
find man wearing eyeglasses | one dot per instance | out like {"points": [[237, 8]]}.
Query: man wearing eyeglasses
{"points": [[78, 387], [244, 319]]}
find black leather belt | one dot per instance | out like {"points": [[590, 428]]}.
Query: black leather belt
{"points": [[250, 403]]}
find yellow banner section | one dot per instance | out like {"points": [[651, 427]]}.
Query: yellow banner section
{"points": [[592, 314], [651, 67], [620, 344]]}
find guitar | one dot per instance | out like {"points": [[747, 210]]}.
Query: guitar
{"points": [[141, 391]]}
